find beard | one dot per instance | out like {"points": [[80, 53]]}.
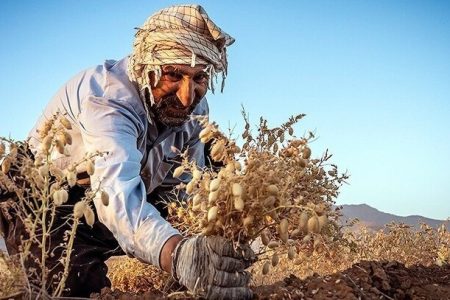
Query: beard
{"points": [[171, 112]]}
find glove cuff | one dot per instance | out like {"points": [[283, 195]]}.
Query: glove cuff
{"points": [[175, 255]]}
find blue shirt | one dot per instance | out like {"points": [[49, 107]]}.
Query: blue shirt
{"points": [[108, 115]]}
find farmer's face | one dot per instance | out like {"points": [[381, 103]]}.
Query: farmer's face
{"points": [[179, 90]]}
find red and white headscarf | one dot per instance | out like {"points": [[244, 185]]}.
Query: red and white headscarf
{"points": [[182, 34]]}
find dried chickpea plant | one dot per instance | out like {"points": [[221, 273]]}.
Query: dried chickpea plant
{"points": [[403, 243], [271, 191], [35, 188]]}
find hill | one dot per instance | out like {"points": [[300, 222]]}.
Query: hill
{"points": [[375, 219]]}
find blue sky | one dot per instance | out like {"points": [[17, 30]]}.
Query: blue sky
{"points": [[373, 78]]}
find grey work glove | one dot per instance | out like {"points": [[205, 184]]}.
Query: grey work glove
{"points": [[210, 267]]}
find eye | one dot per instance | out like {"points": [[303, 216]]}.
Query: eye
{"points": [[201, 78], [173, 75]]}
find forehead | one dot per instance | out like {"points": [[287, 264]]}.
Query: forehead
{"points": [[185, 69]]}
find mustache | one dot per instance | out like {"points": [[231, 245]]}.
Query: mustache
{"points": [[172, 101], [171, 112]]}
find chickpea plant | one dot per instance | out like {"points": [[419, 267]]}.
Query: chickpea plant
{"points": [[35, 187], [272, 191]]}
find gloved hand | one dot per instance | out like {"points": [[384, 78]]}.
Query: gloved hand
{"points": [[211, 267]]}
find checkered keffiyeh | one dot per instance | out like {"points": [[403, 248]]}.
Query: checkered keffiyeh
{"points": [[182, 34]]}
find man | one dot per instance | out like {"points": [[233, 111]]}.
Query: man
{"points": [[136, 110]]}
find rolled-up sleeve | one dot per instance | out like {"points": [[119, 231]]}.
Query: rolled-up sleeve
{"points": [[113, 127]]}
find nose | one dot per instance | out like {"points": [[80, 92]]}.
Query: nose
{"points": [[186, 92]]}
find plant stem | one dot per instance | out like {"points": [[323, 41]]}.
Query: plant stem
{"points": [[60, 288], [43, 261]]}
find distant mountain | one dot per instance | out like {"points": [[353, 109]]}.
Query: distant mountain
{"points": [[375, 219]]}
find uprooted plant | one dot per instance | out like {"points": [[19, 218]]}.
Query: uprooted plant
{"points": [[271, 189], [35, 187]]}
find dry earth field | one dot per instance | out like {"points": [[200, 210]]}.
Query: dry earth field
{"points": [[395, 263], [365, 280], [399, 262]]}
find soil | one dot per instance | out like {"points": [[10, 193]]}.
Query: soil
{"points": [[365, 280]]}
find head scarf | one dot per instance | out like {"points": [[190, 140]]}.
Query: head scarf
{"points": [[182, 34]]}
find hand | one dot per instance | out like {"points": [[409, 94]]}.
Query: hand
{"points": [[211, 267]]}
